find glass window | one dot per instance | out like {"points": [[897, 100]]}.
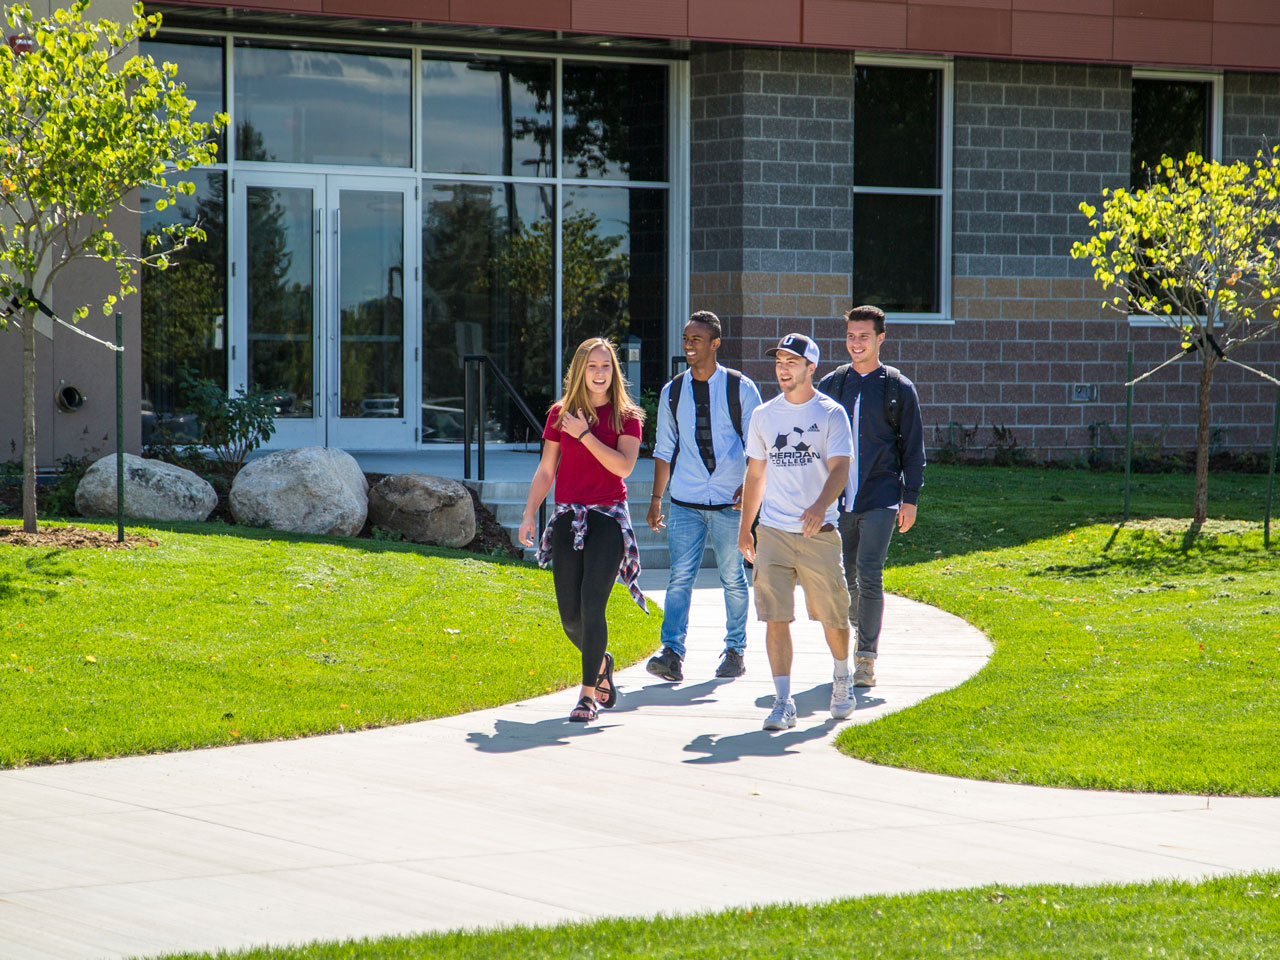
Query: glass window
{"points": [[615, 121], [184, 308], [488, 116], [897, 126], [322, 106], [281, 287], [899, 196], [613, 280], [200, 68], [488, 272], [1170, 118], [899, 270]]}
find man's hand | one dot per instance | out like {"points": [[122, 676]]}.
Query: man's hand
{"points": [[906, 516], [737, 498], [746, 545], [811, 520], [654, 516]]}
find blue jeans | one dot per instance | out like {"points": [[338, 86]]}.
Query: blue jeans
{"points": [[687, 534]]}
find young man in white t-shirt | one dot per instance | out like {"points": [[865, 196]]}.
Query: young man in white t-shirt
{"points": [[799, 447]]}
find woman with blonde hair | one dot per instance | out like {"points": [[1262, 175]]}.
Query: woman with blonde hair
{"points": [[592, 441]]}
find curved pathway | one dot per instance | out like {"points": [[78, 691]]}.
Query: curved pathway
{"points": [[483, 819]]}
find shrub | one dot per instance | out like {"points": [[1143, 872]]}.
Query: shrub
{"points": [[231, 427]]}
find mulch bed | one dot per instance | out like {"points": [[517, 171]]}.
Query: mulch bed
{"points": [[71, 538]]}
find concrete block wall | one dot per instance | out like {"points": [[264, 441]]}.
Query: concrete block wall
{"points": [[772, 169], [1032, 140]]}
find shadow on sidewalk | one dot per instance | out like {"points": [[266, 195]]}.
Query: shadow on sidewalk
{"points": [[758, 743], [818, 700], [510, 736], [663, 694]]}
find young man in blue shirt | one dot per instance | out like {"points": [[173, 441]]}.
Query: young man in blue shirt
{"points": [[699, 451], [884, 411]]}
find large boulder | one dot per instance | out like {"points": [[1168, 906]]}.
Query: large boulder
{"points": [[424, 509], [303, 490], [153, 490]]}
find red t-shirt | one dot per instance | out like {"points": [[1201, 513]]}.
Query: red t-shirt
{"points": [[581, 478]]}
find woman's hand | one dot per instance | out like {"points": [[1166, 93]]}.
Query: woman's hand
{"points": [[528, 530], [575, 425]]}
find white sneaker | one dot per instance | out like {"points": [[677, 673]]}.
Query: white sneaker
{"points": [[782, 716], [864, 671], [842, 702]]}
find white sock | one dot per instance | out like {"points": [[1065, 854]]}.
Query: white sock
{"points": [[842, 668], [782, 685]]}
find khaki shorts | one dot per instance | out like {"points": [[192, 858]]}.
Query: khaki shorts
{"points": [[783, 558]]}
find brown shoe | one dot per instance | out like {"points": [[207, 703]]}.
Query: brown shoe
{"points": [[864, 671]]}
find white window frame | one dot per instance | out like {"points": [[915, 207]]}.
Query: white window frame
{"points": [[1214, 79], [945, 226]]}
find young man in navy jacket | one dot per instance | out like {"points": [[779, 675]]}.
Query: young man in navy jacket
{"points": [[884, 411]]}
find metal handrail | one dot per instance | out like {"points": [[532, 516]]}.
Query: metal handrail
{"points": [[478, 362]]}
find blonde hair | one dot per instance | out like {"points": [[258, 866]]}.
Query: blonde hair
{"points": [[576, 397]]}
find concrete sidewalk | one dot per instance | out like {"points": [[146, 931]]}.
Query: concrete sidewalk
{"points": [[504, 816]]}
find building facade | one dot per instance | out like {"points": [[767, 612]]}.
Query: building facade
{"points": [[406, 184]]}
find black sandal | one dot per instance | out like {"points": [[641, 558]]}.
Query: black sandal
{"points": [[611, 700], [584, 712]]}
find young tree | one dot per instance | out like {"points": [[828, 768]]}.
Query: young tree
{"points": [[83, 123], [1197, 249]]}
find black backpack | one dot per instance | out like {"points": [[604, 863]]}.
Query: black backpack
{"points": [[892, 397], [733, 394]]}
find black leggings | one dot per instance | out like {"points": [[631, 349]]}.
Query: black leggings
{"points": [[584, 579]]}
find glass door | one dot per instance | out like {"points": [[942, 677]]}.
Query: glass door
{"points": [[320, 291], [369, 345], [278, 313]]}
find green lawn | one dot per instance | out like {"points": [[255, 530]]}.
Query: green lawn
{"points": [[1237, 917], [225, 635], [1141, 658]]}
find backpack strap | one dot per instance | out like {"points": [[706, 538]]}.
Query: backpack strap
{"points": [[733, 394], [673, 401], [893, 403]]}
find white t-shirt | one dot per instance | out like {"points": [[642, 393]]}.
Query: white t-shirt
{"points": [[798, 441]]}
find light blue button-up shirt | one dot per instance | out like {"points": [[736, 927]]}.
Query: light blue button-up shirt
{"points": [[690, 482]]}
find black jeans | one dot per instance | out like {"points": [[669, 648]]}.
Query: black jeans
{"points": [[584, 579], [865, 537]]}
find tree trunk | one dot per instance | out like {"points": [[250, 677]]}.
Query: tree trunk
{"points": [[29, 420], [1202, 441]]}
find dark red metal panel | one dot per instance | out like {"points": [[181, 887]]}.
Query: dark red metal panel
{"points": [[940, 29], [1143, 40], [855, 23], [1246, 11], [761, 21], [659, 18], [420, 10], [1061, 35], [1099, 8], [1166, 9], [1246, 45], [535, 14]]}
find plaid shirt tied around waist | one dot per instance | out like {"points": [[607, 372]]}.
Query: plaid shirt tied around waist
{"points": [[628, 569]]}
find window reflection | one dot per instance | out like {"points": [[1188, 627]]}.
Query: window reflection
{"points": [[281, 297], [184, 307], [371, 271], [897, 124], [615, 121], [613, 276], [318, 106], [488, 116], [200, 68], [487, 254]]}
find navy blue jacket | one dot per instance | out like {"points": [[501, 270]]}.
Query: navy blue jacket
{"points": [[883, 480]]}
